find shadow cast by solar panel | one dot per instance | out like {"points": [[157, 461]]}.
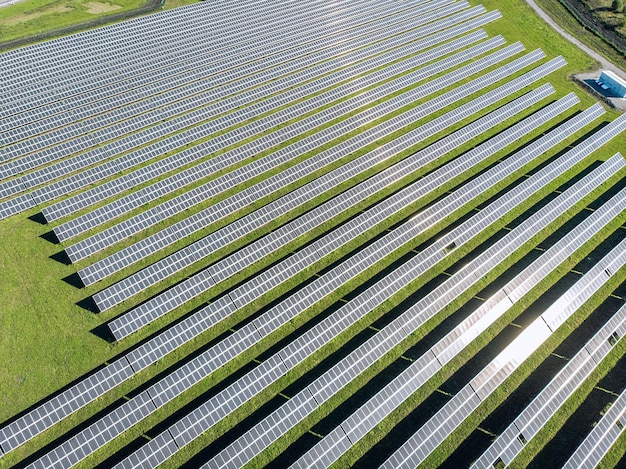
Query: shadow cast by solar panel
{"points": [[39, 218], [51, 237], [104, 333], [75, 281], [401, 432], [62, 258], [468, 450], [602, 250], [89, 305]]}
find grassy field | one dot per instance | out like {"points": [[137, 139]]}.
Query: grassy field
{"points": [[50, 342]]}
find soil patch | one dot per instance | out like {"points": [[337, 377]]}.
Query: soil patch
{"points": [[96, 8]]}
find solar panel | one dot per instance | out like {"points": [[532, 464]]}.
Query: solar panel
{"points": [[154, 453], [69, 401], [97, 434]]}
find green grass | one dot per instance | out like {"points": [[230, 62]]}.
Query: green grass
{"points": [[50, 343]]}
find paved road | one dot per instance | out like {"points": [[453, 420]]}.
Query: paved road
{"points": [[604, 63]]}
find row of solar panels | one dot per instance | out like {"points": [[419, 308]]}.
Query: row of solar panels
{"points": [[118, 363], [95, 174]]}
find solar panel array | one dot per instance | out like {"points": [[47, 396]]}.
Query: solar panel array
{"points": [[217, 356], [270, 162], [356, 426], [219, 93], [257, 219], [45, 177], [200, 282], [262, 435], [131, 111], [268, 179], [82, 179], [312, 142], [288, 96]]}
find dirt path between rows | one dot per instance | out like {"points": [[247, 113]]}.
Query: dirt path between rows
{"points": [[604, 63]]}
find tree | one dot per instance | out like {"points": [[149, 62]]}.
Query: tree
{"points": [[618, 6]]}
